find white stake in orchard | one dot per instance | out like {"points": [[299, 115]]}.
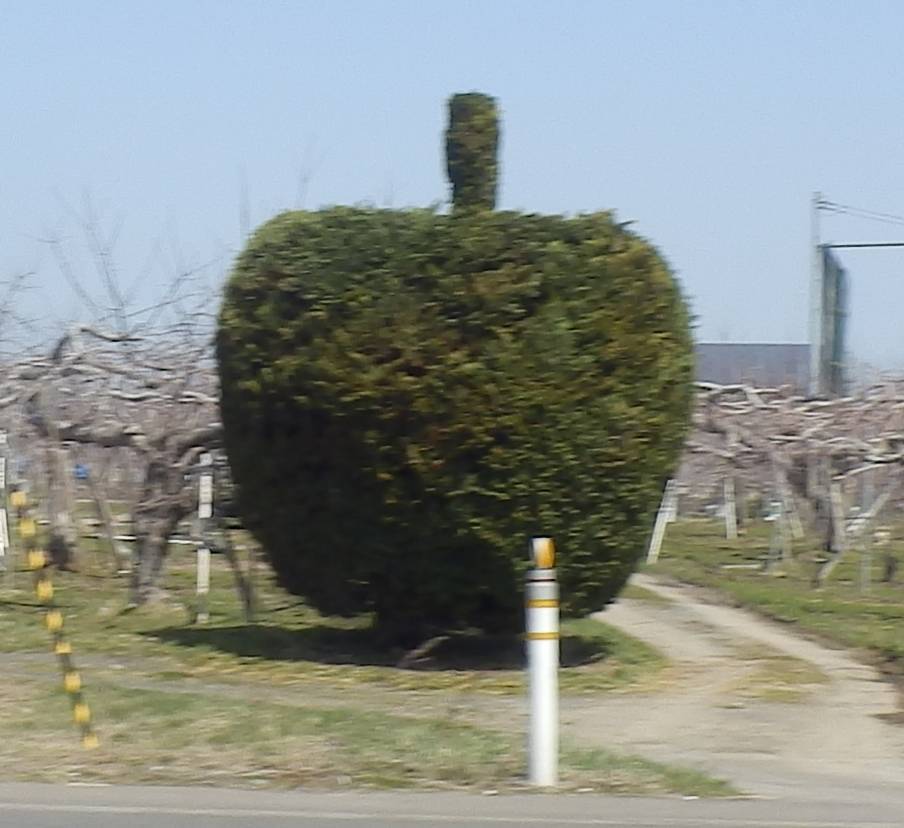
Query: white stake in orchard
{"points": [[5, 549], [542, 610], [205, 512], [668, 513]]}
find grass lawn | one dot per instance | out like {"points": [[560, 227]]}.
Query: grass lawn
{"points": [[167, 737], [292, 699], [697, 552]]}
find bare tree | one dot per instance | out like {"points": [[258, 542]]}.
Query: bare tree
{"points": [[132, 381], [809, 453]]}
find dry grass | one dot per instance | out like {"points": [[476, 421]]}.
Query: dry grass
{"points": [[775, 677], [293, 699]]}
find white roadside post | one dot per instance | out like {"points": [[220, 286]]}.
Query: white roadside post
{"points": [[205, 512], [6, 558], [542, 610]]}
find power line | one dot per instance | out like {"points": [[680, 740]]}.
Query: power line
{"points": [[862, 244], [859, 212]]}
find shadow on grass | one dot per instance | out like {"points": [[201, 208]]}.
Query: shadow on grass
{"points": [[6, 602], [325, 644]]}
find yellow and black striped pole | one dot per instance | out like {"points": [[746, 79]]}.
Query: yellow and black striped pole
{"points": [[53, 617], [542, 617]]}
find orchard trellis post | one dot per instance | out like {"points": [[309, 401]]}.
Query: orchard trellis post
{"points": [[7, 554], [731, 515], [205, 514], [667, 513]]}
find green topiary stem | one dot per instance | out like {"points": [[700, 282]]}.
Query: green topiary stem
{"points": [[472, 144]]}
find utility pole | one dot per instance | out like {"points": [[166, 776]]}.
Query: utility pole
{"points": [[828, 281], [815, 298]]}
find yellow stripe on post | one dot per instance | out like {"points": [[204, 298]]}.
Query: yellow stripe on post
{"points": [[542, 636], [543, 603], [36, 559]]}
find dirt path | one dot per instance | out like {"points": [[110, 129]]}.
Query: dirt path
{"points": [[719, 713]]}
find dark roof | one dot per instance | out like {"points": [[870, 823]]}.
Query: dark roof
{"points": [[754, 363]]}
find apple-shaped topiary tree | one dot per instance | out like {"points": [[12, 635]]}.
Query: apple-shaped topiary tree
{"points": [[408, 396]]}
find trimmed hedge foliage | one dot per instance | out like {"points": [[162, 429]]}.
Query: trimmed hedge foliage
{"points": [[408, 397]]}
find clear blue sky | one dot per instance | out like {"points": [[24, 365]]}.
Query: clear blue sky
{"points": [[709, 123]]}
